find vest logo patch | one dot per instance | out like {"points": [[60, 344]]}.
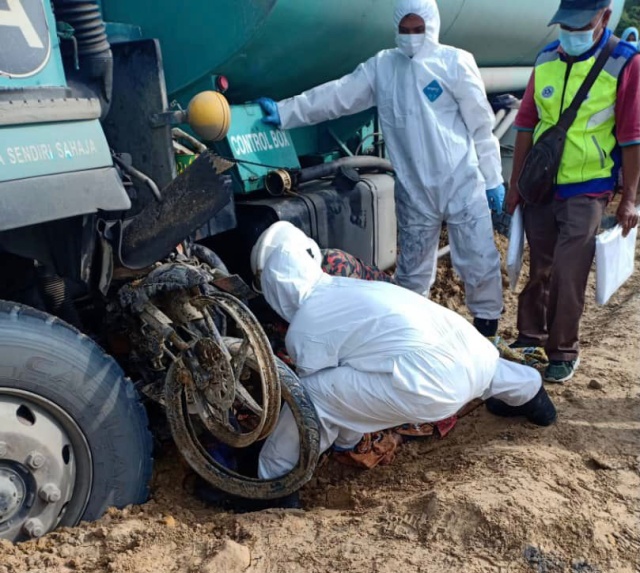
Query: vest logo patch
{"points": [[548, 92], [433, 91]]}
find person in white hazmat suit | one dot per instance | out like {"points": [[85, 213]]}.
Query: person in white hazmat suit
{"points": [[393, 357], [438, 129]]}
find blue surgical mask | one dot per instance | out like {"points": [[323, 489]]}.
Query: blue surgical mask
{"points": [[576, 43]]}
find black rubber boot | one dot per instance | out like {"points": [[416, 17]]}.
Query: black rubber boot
{"points": [[539, 411], [216, 498], [521, 343], [486, 327], [291, 501]]}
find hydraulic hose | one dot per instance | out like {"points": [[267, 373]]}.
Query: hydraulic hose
{"points": [[94, 50], [356, 162], [57, 298]]}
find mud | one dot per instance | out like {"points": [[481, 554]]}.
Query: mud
{"points": [[494, 496]]}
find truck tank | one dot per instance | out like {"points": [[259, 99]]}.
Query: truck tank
{"points": [[278, 48]]}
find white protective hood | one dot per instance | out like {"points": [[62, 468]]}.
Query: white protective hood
{"points": [[288, 278], [280, 233], [427, 10]]}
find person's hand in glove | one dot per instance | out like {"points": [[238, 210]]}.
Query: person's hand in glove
{"points": [[270, 110], [495, 197]]}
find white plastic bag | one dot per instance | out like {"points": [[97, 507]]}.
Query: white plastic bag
{"points": [[615, 257], [516, 247]]}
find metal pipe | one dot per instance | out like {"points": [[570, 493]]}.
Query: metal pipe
{"points": [[140, 177], [278, 182], [197, 144], [370, 135], [340, 143], [501, 80], [499, 117], [506, 124]]}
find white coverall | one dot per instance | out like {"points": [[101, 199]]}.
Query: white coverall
{"points": [[373, 356], [437, 126]]}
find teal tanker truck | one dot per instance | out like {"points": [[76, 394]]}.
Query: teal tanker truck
{"points": [[135, 175]]}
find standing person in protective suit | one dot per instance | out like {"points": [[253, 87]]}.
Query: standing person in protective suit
{"points": [[630, 35], [437, 126], [393, 358]]}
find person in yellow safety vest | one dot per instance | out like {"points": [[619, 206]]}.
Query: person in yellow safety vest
{"points": [[604, 139]]}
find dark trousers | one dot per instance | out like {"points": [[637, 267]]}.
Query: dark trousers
{"points": [[562, 241]]}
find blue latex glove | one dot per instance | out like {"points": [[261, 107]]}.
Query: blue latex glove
{"points": [[495, 197], [270, 110]]}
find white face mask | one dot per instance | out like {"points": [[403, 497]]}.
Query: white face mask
{"points": [[410, 44]]}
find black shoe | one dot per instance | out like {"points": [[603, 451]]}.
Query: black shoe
{"points": [[217, 498], [291, 501], [486, 327], [539, 411], [521, 343]]}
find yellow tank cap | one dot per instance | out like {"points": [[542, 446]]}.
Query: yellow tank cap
{"points": [[209, 115]]}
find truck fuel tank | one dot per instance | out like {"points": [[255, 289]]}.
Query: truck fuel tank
{"points": [[357, 216]]}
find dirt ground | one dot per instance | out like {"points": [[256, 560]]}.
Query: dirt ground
{"points": [[494, 496]]}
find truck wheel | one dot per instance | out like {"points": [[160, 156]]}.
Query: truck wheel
{"points": [[73, 433]]}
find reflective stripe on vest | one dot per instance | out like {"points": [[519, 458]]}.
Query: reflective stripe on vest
{"points": [[591, 140]]}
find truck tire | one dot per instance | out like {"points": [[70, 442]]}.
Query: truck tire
{"points": [[74, 437]]}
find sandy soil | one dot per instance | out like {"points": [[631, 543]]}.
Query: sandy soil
{"points": [[494, 496]]}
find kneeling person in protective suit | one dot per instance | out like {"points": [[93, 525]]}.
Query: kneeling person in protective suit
{"points": [[393, 358], [438, 129]]}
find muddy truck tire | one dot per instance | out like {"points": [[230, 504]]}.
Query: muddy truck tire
{"points": [[74, 438]]}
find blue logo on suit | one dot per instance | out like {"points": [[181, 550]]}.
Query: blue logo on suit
{"points": [[433, 91]]}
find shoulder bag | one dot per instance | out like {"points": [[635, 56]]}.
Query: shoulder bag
{"points": [[538, 176]]}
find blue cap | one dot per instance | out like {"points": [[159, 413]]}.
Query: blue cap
{"points": [[578, 13]]}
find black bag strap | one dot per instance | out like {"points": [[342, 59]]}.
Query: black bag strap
{"points": [[571, 113]]}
